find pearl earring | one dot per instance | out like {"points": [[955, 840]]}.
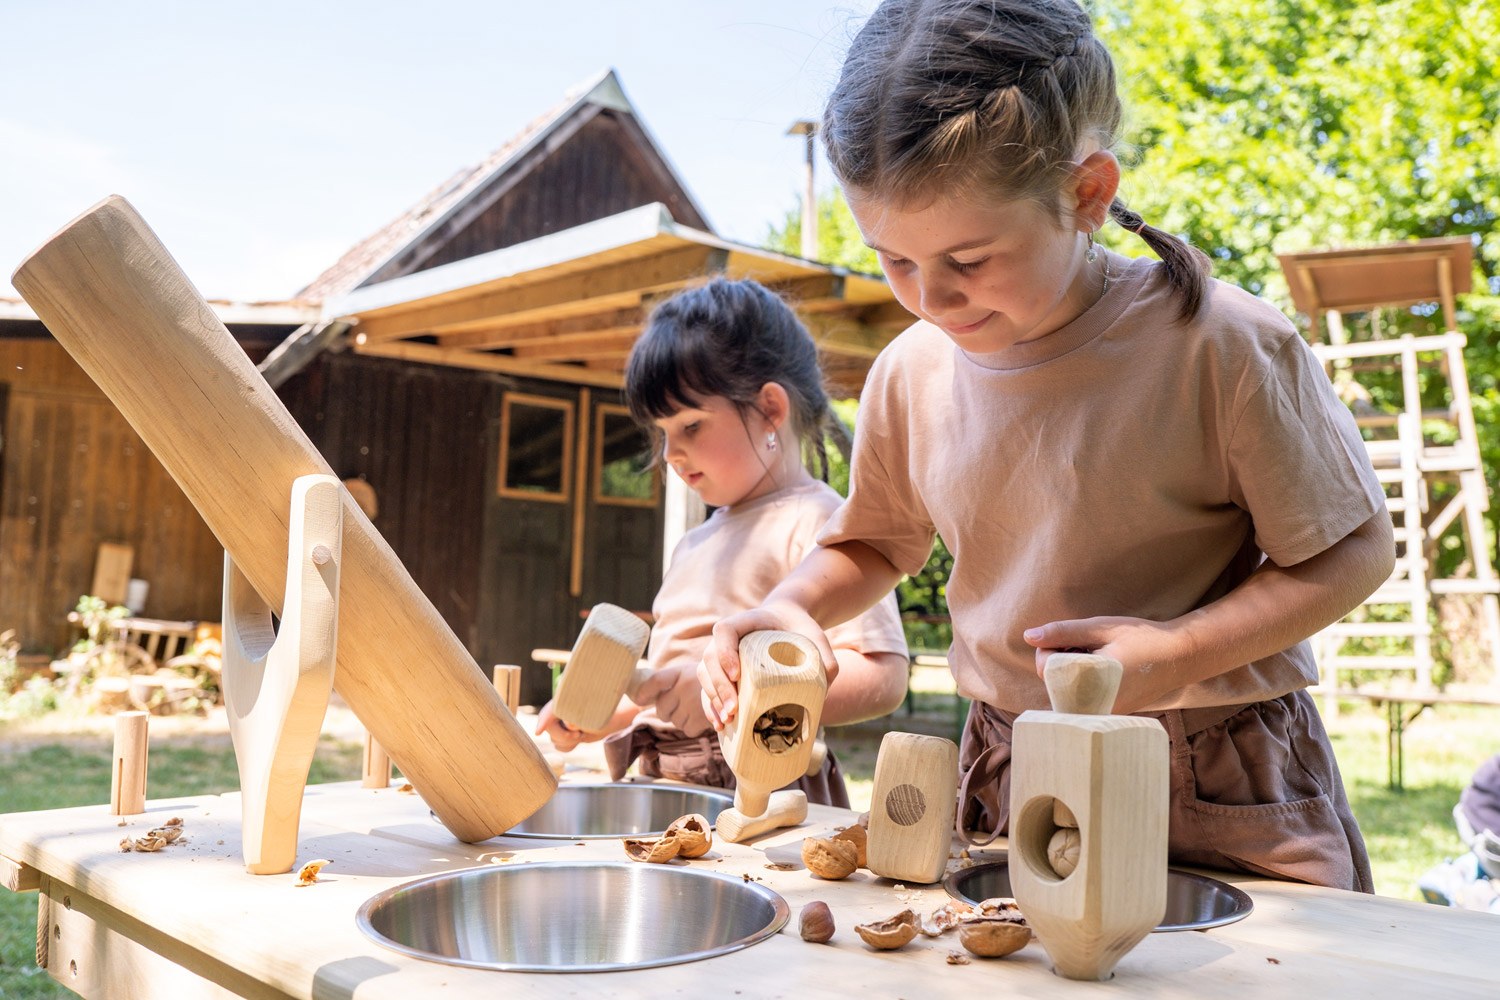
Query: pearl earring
{"points": [[771, 441], [1091, 253]]}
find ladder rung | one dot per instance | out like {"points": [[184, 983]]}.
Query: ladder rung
{"points": [[1460, 586], [1377, 629], [1372, 662]]}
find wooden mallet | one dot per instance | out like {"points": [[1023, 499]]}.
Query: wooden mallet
{"points": [[602, 667]]}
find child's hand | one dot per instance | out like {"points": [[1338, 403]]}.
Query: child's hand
{"points": [[719, 673], [564, 737], [675, 692], [1147, 651]]}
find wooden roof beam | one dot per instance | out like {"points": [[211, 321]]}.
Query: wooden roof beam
{"points": [[615, 286], [525, 333], [578, 347], [839, 335], [483, 361]]}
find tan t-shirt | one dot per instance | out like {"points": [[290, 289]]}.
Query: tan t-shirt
{"points": [[731, 561], [1127, 464]]}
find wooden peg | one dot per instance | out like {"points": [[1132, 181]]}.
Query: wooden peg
{"points": [[127, 786], [276, 686], [784, 808], [1088, 819], [375, 768], [602, 666], [770, 740], [912, 804], [507, 680]]}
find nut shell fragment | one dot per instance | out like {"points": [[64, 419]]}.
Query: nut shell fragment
{"points": [[993, 937], [308, 873], [830, 859], [946, 917], [693, 836], [653, 851], [857, 836], [884, 935]]}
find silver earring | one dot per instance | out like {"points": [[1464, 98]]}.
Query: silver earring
{"points": [[770, 441], [1090, 253]]}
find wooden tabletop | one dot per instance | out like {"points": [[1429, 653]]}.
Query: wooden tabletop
{"points": [[189, 922]]}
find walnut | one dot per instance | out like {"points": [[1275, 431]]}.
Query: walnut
{"points": [[992, 937], [830, 859], [693, 836], [857, 836], [308, 873], [816, 922], [653, 851], [1062, 850], [883, 935]]}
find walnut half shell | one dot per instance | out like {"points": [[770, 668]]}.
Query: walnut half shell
{"points": [[884, 935], [653, 851], [693, 836], [993, 937], [830, 859]]}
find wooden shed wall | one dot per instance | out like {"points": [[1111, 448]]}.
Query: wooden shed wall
{"points": [[416, 433], [73, 475]]}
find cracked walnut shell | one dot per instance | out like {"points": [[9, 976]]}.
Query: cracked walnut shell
{"points": [[884, 935], [993, 937], [653, 851], [693, 836], [830, 859]]}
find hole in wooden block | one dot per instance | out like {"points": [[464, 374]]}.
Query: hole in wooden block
{"points": [[779, 729], [787, 654], [1032, 834]]}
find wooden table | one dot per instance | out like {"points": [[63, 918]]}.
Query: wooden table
{"points": [[189, 922], [1397, 719]]}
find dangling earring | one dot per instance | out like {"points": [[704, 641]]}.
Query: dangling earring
{"points": [[1090, 254], [770, 441]]}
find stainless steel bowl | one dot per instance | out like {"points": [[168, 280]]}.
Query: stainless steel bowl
{"points": [[573, 916], [624, 809], [1194, 902]]}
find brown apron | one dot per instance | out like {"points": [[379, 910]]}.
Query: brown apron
{"points": [[700, 760], [1254, 788]]}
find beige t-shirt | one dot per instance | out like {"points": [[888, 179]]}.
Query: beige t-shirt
{"points": [[1127, 464], [731, 561]]}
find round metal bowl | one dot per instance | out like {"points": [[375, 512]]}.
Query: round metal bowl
{"points": [[622, 809], [1194, 902], [573, 916]]}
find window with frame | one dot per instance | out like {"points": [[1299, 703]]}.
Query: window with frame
{"points": [[536, 447]]}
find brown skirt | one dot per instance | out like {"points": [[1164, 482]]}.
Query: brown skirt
{"points": [[700, 760], [1254, 788]]}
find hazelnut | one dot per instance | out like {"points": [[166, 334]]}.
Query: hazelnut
{"points": [[693, 836], [830, 859], [816, 922], [992, 937], [857, 836], [653, 851], [883, 935]]}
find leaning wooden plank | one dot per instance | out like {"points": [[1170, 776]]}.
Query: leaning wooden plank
{"points": [[113, 297]]}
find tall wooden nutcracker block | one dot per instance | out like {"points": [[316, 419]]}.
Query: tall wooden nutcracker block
{"points": [[770, 740], [912, 806], [1108, 773]]}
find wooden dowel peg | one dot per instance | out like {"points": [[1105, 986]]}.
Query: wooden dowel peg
{"points": [[508, 682], [375, 770], [127, 787]]}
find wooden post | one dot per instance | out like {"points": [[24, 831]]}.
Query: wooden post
{"points": [[109, 292], [770, 739], [507, 680], [912, 805], [602, 667], [375, 766], [1088, 820], [127, 788], [276, 685]]}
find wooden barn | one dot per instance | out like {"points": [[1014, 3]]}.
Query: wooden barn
{"points": [[464, 365]]}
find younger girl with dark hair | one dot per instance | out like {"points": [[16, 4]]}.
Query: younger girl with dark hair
{"points": [[1122, 454], [726, 381]]}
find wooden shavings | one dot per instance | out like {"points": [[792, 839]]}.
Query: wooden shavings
{"points": [[308, 873], [782, 866], [154, 840]]}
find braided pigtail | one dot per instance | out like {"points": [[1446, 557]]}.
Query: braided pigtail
{"points": [[1187, 266]]}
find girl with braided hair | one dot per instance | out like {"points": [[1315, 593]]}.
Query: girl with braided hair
{"points": [[1123, 454]]}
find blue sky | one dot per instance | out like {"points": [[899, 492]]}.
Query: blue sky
{"points": [[261, 140]]}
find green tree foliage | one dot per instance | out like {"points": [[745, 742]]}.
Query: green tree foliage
{"points": [[1262, 126]]}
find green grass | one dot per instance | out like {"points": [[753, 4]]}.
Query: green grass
{"points": [[54, 776]]}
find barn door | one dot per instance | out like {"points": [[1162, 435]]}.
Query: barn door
{"points": [[575, 520]]}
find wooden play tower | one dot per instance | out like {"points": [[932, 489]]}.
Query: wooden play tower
{"points": [[1427, 458]]}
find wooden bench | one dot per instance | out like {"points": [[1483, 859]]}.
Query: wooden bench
{"points": [[1397, 719]]}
